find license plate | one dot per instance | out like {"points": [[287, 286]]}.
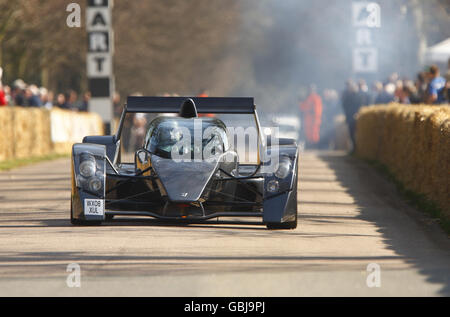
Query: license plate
{"points": [[94, 207]]}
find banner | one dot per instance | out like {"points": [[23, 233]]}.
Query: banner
{"points": [[70, 127]]}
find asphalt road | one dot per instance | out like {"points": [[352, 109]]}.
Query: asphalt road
{"points": [[349, 218]]}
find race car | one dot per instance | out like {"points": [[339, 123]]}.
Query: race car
{"points": [[186, 169]]}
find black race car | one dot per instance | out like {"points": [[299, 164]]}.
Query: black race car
{"points": [[186, 169]]}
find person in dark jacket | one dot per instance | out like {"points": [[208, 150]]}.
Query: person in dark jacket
{"points": [[61, 102], [350, 104], [387, 95], [363, 93], [32, 97]]}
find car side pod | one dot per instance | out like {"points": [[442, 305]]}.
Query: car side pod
{"points": [[280, 211], [280, 194], [88, 184]]}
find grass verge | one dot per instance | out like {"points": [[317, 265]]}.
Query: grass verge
{"points": [[10, 164], [419, 201]]}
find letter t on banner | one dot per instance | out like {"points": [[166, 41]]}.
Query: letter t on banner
{"points": [[100, 58]]}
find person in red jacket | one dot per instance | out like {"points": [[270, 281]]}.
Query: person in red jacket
{"points": [[311, 109], [3, 101], [204, 94]]}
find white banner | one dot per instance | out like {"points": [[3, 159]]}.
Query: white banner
{"points": [[72, 127]]}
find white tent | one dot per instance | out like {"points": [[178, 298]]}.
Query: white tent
{"points": [[439, 53]]}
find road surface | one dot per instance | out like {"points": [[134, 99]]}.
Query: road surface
{"points": [[349, 218]]}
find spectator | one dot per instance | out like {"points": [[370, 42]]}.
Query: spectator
{"points": [[46, 98], [399, 94], [363, 93], [330, 111], [447, 84], [203, 93], [435, 87], [7, 91], [3, 101], [117, 105], [72, 100], [421, 85], [410, 91], [350, 104], [393, 78], [387, 96], [61, 102], [311, 109], [377, 89], [84, 106], [138, 131], [18, 94], [32, 96]]}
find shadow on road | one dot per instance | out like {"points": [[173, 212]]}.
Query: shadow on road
{"points": [[55, 263], [409, 233], [152, 222]]}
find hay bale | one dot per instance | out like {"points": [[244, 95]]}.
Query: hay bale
{"points": [[28, 132], [413, 142], [42, 141], [23, 132], [7, 133]]}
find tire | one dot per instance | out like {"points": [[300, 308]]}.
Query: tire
{"points": [[78, 222]]}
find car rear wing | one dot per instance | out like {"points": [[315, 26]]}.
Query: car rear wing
{"points": [[203, 105]]}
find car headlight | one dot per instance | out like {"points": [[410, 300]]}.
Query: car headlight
{"points": [[284, 167], [90, 172], [272, 186], [87, 167], [95, 184]]}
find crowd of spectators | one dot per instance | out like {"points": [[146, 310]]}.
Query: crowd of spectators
{"points": [[317, 112], [428, 88], [30, 95]]}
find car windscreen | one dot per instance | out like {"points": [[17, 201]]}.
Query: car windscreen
{"points": [[241, 129]]}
